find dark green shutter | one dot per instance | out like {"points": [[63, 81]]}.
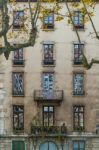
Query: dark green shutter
{"points": [[18, 145]]}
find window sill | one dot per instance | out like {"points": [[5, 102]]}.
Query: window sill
{"points": [[47, 30], [18, 95], [79, 95], [79, 29]]}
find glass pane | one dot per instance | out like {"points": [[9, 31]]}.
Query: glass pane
{"points": [[78, 83], [18, 20], [18, 84]]}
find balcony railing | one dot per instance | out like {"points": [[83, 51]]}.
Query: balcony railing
{"points": [[78, 62], [49, 62], [18, 62], [48, 130], [52, 96]]}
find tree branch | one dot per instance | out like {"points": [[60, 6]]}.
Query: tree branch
{"points": [[85, 61]]}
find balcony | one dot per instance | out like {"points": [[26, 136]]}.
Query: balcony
{"points": [[49, 62], [48, 96], [78, 62], [48, 130], [18, 62]]}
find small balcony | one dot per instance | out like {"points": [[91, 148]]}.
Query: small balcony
{"points": [[18, 62], [78, 62], [48, 96], [48, 130], [49, 62]]}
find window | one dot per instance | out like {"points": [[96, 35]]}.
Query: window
{"points": [[18, 145], [48, 115], [48, 83], [48, 54], [78, 145], [78, 113], [18, 57], [17, 84], [69, 0], [18, 19], [78, 84], [18, 117], [1, 121], [25, 0], [48, 22], [78, 19], [78, 54]]}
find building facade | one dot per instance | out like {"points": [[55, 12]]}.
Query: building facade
{"points": [[48, 100]]}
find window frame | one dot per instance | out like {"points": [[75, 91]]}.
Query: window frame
{"points": [[48, 51], [19, 94], [26, 0], [19, 60], [48, 25], [78, 119], [77, 19], [16, 143], [78, 50], [78, 144], [48, 113], [15, 129], [82, 92], [18, 26]]}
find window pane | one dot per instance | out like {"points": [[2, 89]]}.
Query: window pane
{"points": [[78, 117], [18, 117], [18, 19], [48, 115], [17, 81], [78, 53], [78, 84], [78, 19]]}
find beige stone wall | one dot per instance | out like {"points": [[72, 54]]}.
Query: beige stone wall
{"points": [[63, 36]]}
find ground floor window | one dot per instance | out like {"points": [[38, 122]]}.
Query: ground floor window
{"points": [[18, 145], [78, 145], [48, 145]]}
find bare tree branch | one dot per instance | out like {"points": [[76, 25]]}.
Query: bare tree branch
{"points": [[85, 61]]}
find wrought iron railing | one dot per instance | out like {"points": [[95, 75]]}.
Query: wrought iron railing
{"points": [[46, 130], [48, 62]]}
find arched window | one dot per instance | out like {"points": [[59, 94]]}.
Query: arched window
{"points": [[48, 145]]}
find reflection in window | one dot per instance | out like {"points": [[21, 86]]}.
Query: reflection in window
{"points": [[48, 54], [18, 19], [48, 115], [17, 84], [78, 19], [78, 117], [18, 117], [48, 22], [78, 145], [18, 57], [78, 84], [78, 53]]}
